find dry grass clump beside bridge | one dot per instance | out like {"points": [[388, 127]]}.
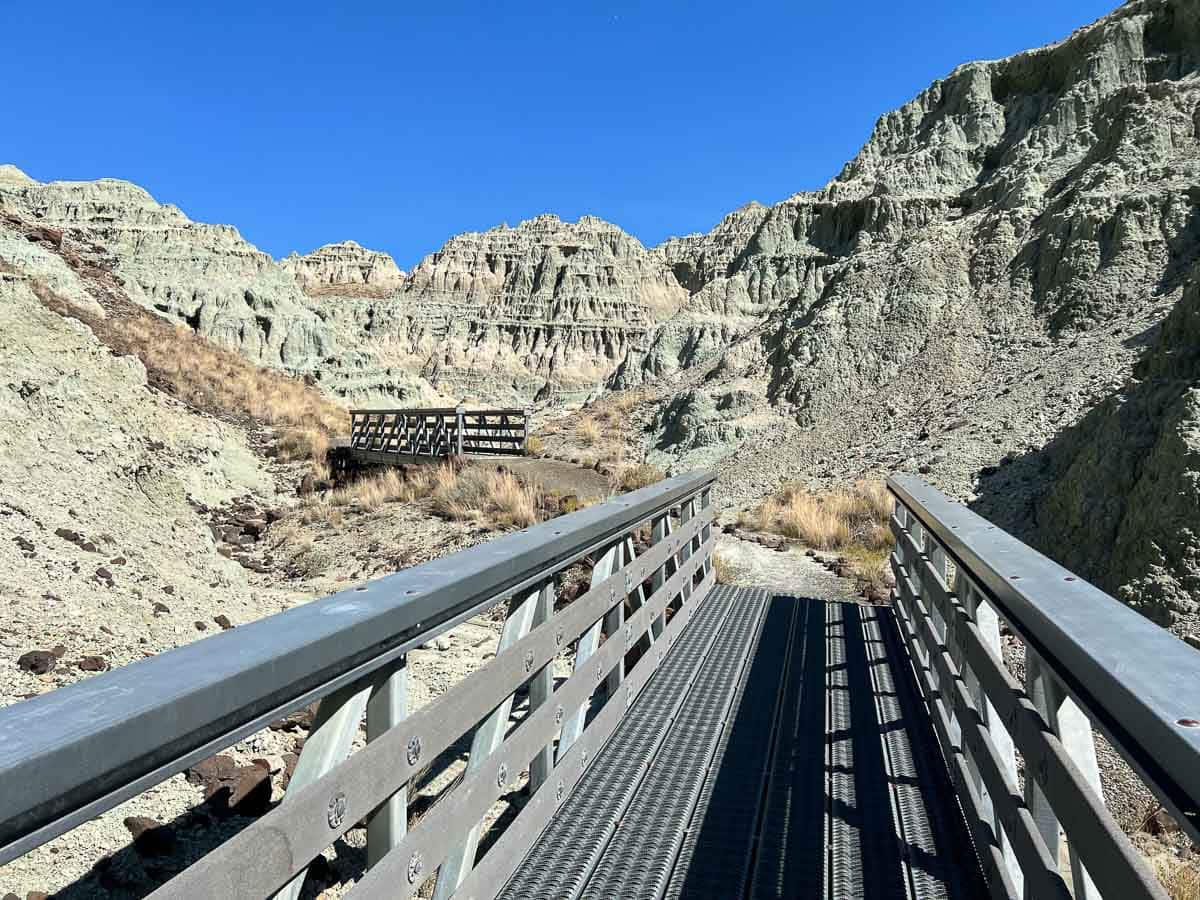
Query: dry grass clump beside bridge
{"points": [[494, 498], [852, 521]]}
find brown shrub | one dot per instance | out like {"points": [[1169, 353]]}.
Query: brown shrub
{"points": [[588, 431], [633, 478], [1183, 883], [311, 443], [853, 521], [832, 520], [723, 570], [487, 495]]}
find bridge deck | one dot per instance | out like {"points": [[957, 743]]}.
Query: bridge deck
{"points": [[781, 750]]}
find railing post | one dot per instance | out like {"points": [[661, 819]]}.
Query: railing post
{"points": [[540, 690], [386, 708], [328, 744], [661, 531], [976, 605], [573, 723], [486, 739], [1074, 730], [458, 428], [525, 431]]}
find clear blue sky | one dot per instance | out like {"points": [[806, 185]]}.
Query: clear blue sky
{"points": [[307, 123]]}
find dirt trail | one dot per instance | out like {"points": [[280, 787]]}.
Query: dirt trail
{"points": [[789, 571], [553, 475]]}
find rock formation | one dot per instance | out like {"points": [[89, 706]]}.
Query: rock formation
{"points": [[344, 269], [980, 275], [205, 275], [499, 315], [1123, 508]]}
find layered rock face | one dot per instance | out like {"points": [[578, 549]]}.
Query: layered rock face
{"points": [[1043, 195], [1124, 506], [982, 273], [209, 278], [204, 275], [547, 308], [344, 268]]}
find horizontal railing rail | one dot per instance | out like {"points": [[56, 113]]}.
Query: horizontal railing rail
{"points": [[1087, 660], [439, 432], [69, 755]]}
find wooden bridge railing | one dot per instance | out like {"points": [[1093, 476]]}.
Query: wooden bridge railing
{"points": [[440, 432]]}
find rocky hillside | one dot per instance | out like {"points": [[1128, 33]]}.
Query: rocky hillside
{"points": [[345, 269], [988, 268], [223, 287], [545, 310], [1123, 508]]}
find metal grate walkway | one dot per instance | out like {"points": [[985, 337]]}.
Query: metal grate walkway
{"points": [[781, 750]]}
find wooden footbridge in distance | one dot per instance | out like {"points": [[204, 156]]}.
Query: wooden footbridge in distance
{"points": [[383, 437]]}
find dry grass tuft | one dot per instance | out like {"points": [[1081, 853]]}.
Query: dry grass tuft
{"points": [[1183, 883], [723, 569], [210, 377], [852, 521], [492, 496], [213, 377], [634, 478], [843, 518], [588, 431]]}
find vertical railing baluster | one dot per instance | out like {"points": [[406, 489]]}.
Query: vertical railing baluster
{"points": [[486, 739], [1074, 730], [386, 708], [976, 605], [574, 722], [330, 739], [661, 531], [540, 690], [687, 511]]}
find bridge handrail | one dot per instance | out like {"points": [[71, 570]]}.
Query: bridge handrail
{"points": [[73, 753], [438, 432], [1089, 660]]}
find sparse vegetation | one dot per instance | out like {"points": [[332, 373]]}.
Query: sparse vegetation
{"points": [[209, 377], [588, 431], [534, 446], [493, 497], [832, 520], [723, 569], [1182, 882], [852, 521], [601, 429], [634, 478]]}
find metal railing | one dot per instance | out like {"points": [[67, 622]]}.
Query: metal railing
{"points": [[69, 755], [439, 432], [1088, 661]]}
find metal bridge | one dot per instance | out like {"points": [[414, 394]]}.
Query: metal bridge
{"points": [[392, 436], [709, 741]]}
